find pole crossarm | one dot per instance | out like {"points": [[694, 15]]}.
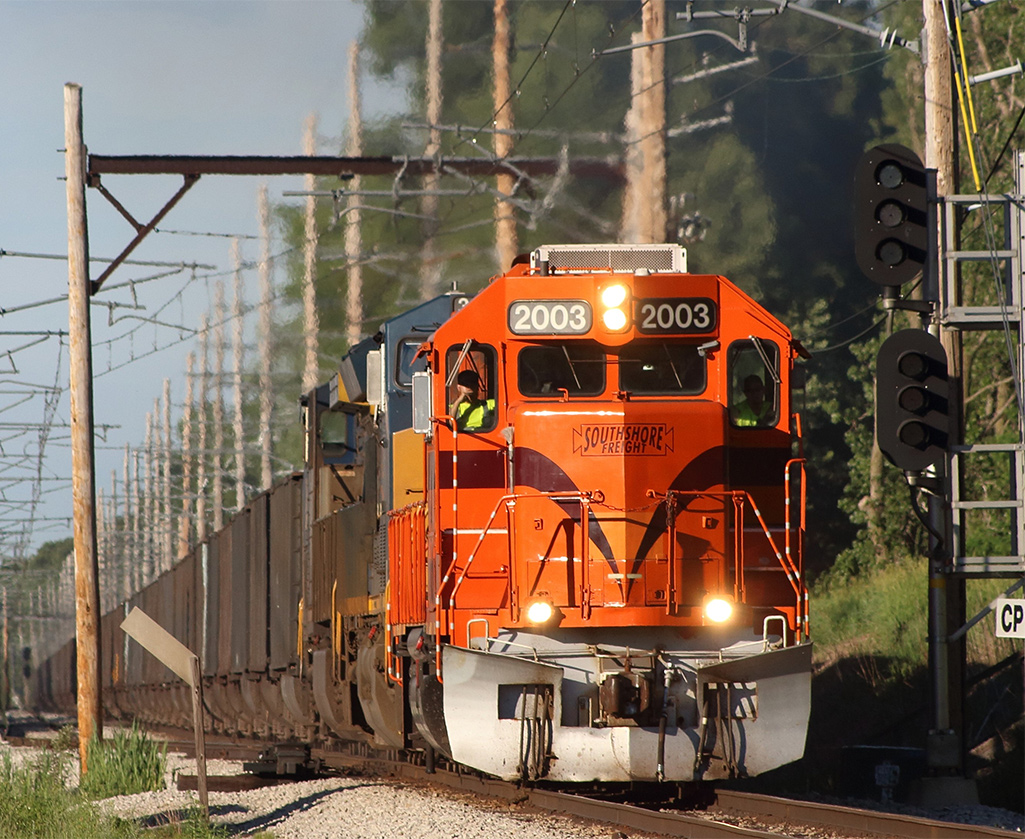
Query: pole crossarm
{"points": [[192, 167], [587, 167]]}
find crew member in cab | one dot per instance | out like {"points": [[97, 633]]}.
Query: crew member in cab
{"points": [[471, 412], [754, 409]]}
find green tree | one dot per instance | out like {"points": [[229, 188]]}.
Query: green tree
{"points": [[759, 162]]}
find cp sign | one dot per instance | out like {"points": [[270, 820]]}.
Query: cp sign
{"points": [[1010, 618]]}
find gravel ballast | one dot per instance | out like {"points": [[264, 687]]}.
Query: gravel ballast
{"points": [[357, 807], [350, 808]]}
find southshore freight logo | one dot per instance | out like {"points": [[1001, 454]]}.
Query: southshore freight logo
{"points": [[635, 438]]}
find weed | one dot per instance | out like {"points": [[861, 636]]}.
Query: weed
{"points": [[127, 763], [192, 826], [66, 739], [35, 803]]}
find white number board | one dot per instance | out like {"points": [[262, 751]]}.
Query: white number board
{"points": [[549, 317], [676, 315], [1010, 618]]}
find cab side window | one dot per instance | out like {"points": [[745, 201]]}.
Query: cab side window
{"points": [[408, 361], [753, 367], [471, 386]]}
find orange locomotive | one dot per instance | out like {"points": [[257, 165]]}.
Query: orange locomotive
{"points": [[603, 579], [553, 532]]}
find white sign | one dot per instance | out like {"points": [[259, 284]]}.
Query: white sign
{"points": [[1010, 618], [153, 637]]}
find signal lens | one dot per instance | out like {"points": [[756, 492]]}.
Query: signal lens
{"points": [[718, 609], [891, 252], [540, 611]]}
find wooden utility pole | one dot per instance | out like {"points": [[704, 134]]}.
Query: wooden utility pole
{"points": [[149, 521], [311, 321], [506, 244], [236, 376], [138, 543], [116, 556], [102, 555], [430, 266], [83, 475], [201, 448], [266, 397], [185, 524], [653, 145], [353, 219], [166, 528], [644, 201], [218, 453], [128, 550]]}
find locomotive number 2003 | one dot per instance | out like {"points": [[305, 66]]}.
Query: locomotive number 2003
{"points": [[675, 315], [549, 317]]}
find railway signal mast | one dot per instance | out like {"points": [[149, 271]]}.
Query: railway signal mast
{"points": [[903, 228]]}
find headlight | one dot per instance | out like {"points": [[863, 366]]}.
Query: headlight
{"points": [[718, 609], [614, 319], [615, 300], [540, 611], [613, 296]]}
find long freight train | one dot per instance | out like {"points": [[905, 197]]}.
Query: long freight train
{"points": [[553, 531]]}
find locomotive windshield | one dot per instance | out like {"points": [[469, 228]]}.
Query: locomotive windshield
{"points": [[578, 368], [649, 369]]}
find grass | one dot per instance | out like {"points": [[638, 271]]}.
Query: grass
{"points": [[885, 613], [127, 763], [871, 671], [192, 826], [35, 803]]}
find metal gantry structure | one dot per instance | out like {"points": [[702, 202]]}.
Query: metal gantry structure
{"points": [[1004, 319], [964, 506]]}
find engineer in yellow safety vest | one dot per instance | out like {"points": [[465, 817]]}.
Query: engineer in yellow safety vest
{"points": [[753, 409], [469, 409]]}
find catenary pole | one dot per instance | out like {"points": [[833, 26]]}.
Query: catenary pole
{"points": [[353, 217], [166, 528], [185, 525], [128, 537], [83, 475], [149, 495], [266, 397], [218, 408], [311, 323], [203, 414], [236, 375]]}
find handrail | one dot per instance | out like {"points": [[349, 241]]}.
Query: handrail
{"points": [[740, 497], [507, 501], [802, 613]]}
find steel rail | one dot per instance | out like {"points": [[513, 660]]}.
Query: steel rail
{"points": [[853, 819]]}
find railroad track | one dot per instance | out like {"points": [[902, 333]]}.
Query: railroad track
{"points": [[782, 816], [731, 813]]}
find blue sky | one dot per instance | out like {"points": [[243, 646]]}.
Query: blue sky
{"points": [[157, 78]]}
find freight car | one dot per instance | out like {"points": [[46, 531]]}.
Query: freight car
{"points": [[553, 531]]}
